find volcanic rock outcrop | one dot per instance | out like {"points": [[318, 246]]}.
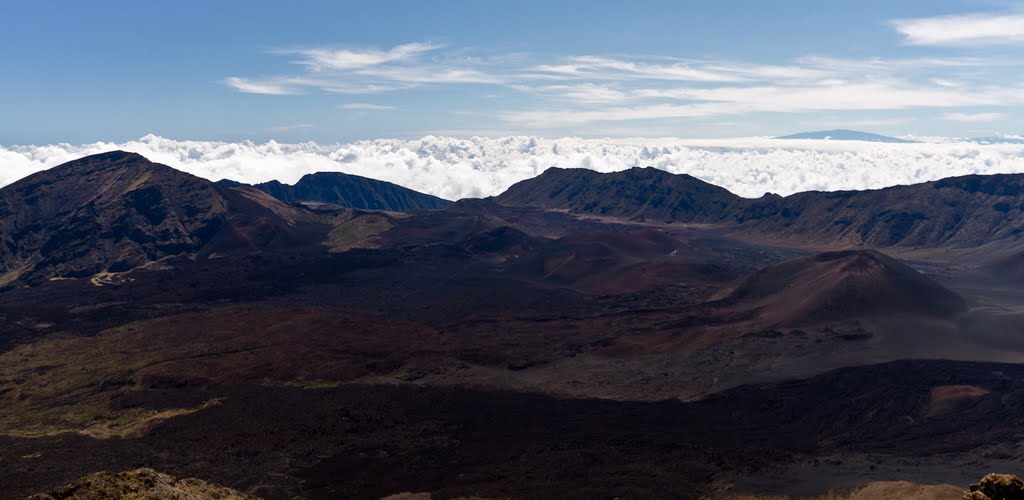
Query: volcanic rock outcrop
{"points": [[140, 484]]}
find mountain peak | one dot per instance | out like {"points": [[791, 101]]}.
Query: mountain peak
{"points": [[637, 193], [845, 135], [112, 212], [921, 214], [114, 156], [338, 189], [107, 160], [110, 164]]}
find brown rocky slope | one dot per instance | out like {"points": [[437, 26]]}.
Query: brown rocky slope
{"points": [[115, 211], [834, 286], [964, 211]]}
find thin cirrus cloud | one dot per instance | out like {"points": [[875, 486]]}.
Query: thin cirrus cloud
{"points": [[366, 106], [963, 30], [605, 68], [423, 75], [670, 69], [973, 117], [290, 127], [586, 93], [835, 96], [348, 59], [363, 71], [594, 89], [250, 86]]}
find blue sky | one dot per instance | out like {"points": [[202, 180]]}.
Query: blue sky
{"points": [[341, 71]]}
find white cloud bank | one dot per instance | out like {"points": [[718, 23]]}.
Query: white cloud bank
{"points": [[456, 168]]}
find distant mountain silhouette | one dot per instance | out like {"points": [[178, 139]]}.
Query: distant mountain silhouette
{"points": [[845, 135], [338, 190], [968, 211], [637, 193]]}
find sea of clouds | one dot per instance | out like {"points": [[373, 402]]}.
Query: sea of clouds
{"points": [[456, 168]]}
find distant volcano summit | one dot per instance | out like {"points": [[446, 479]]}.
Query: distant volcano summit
{"points": [[845, 135], [338, 190]]}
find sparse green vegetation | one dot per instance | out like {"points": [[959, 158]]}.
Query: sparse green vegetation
{"points": [[67, 385], [360, 232], [304, 384]]}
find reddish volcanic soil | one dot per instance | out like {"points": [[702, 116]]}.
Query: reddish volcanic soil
{"points": [[500, 351], [834, 286], [360, 441]]}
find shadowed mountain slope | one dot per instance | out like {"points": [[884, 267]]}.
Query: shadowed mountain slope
{"points": [[637, 193], [337, 190], [962, 211], [115, 211]]}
